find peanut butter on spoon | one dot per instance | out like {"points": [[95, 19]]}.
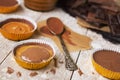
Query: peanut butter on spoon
{"points": [[56, 27]]}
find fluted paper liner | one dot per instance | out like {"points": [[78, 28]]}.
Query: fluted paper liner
{"points": [[9, 9], [30, 65], [16, 36], [40, 5], [104, 71]]}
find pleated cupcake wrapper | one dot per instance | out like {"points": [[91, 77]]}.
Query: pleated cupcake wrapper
{"points": [[39, 8], [41, 1], [103, 71], [30, 65], [14, 36], [9, 9], [41, 5]]}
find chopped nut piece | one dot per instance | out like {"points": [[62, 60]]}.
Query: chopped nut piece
{"points": [[53, 70], [55, 62], [19, 74], [32, 74], [10, 70], [80, 72]]}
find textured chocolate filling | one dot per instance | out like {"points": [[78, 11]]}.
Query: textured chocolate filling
{"points": [[16, 20], [108, 59], [8, 3]]}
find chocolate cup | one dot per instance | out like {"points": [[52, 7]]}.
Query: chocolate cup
{"points": [[33, 65], [16, 36], [104, 61]]}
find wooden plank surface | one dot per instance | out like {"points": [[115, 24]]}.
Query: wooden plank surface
{"points": [[82, 58]]}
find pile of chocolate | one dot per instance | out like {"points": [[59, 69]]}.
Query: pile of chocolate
{"points": [[98, 13]]}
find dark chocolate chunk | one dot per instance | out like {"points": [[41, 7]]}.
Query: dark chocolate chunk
{"points": [[108, 36], [114, 24]]}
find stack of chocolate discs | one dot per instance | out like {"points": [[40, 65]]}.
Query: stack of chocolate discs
{"points": [[40, 5]]}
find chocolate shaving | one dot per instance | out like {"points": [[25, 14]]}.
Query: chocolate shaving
{"points": [[80, 72], [55, 62], [53, 71], [10, 70], [93, 73], [32, 74], [19, 74]]}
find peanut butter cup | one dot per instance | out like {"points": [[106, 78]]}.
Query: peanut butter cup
{"points": [[33, 54], [7, 6], [107, 63], [17, 28]]}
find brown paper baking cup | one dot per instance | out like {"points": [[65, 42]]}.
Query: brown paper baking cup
{"points": [[104, 71], [17, 36], [8, 9], [42, 1], [40, 5], [4, 9], [31, 65]]}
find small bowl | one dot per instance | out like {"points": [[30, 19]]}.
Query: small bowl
{"points": [[22, 46], [14, 35], [9, 9], [102, 66]]}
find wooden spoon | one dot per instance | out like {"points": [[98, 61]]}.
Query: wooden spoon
{"points": [[56, 27]]}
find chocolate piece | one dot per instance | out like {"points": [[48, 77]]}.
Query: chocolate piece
{"points": [[32, 74], [108, 36], [8, 3], [55, 62], [114, 24], [53, 70], [19, 74], [10, 70], [80, 72], [108, 59]]}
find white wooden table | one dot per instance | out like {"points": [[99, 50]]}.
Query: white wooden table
{"points": [[82, 58]]}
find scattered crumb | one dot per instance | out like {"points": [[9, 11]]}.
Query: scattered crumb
{"points": [[10, 70], [55, 62], [32, 74], [93, 73], [19, 74], [80, 72], [47, 72], [53, 70], [61, 62]]}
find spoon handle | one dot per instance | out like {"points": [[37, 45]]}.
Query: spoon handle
{"points": [[70, 65]]}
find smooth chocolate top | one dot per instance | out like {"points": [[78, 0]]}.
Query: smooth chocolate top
{"points": [[8, 3], [108, 59], [35, 54], [16, 20], [55, 25]]}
